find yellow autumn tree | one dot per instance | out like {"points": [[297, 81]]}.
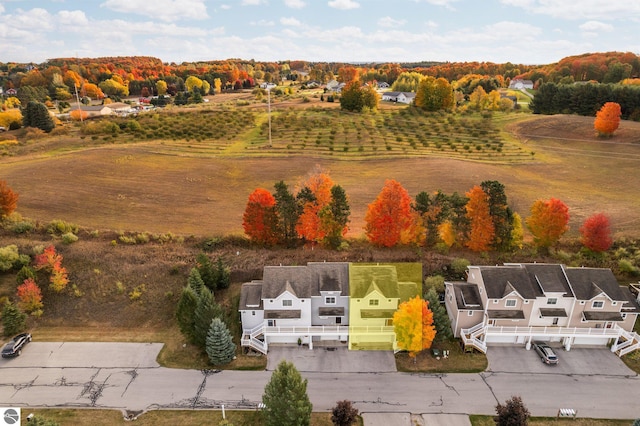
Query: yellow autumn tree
{"points": [[447, 233], [413, 325]]}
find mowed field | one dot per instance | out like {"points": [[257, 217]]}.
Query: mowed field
{"points": [[146, 187]]}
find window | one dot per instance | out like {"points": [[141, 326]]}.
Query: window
{"points": [[373, 302], [338, 320], [330, 300], [271, 323], [555, 321], [450, 298], [624, 316], [510, 303], [253, 312], [552, 301], [470, 313], [597, 304], [287, 302]]}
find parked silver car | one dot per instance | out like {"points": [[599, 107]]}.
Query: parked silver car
{"points": [[547, 355]]}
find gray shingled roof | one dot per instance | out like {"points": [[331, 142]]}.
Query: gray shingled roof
{"points": [[365, 278], [497, 279], [277, 279], [330, 276], [467, 296], [602, 316], [589, 282], [631, 305], [505, 314], [282, 314], [553, 312], [550, 278], [337, 311], [251, 296]]}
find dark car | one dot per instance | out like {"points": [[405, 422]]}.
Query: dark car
{"points": [[14, 347], [546, 353]]}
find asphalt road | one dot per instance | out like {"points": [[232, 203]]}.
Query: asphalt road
{"points": [[113, 382]]}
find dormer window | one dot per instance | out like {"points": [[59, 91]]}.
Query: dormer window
{"points": [[287, 302], [552, 301], [597, 304], [510, 303], [330, 300], [374, 302]]}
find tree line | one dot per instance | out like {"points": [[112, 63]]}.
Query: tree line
{"points": [[480, 219]]}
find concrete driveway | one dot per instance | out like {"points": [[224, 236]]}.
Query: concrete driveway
{"points": [[577, 361], [337, 359]]}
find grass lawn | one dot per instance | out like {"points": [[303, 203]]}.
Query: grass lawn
{"points": [[540, 421], [88, 417], [457, 361]]}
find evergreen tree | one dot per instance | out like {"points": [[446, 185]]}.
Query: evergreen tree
{"points": [[185, 312], [206, 310], [288, 211], [501, 214], [195, 281], [220, 347], [207, 273], [13, 319], [335, 216], [440, 318], [222, 274], [37, 115], [285, 398]]}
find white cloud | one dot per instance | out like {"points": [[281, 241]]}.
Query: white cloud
{"points": [[72, 17], [164, 10], [344, 4], [291, 22], [585, 9], [225, 7], [389, 22], [263, 23], [445, 3], [253, 2], [295, 4], [596, 26]]}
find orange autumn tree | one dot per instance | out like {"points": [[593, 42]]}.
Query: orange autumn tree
{"points": [[316, 195], [607, 119], [51, 261], [30, 296], [260, 221], [596, 233], [413, 325], [8, 199], [389, 216], [482, 228], [548, 221]]}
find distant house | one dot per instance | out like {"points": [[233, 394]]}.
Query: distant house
{"points": [[521, 302], [383, 85], [120, 108], [519, 84], [11, 92], [402, 97], [94, 110], [334, 86]]}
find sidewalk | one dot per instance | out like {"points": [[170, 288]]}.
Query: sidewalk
{"points": [[406, 419]]}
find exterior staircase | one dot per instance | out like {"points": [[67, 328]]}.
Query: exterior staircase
{"points": [[630, 342], [251, 339], [471, 337]]}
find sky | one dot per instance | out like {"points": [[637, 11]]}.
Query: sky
{"points": [[356, 31]]}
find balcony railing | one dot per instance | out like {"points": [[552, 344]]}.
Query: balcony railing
{"points": [[493, 330]]}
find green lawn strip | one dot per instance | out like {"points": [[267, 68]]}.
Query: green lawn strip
{"points": [[478, 420], [94, 417]]}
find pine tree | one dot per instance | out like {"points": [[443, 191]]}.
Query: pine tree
{"points": [[334, 217], [206, 310], [222, 274], [441, 320], [288, 211], [207, 273], [13, 319], [37, 115], [285, 398], [195, 281], [185, 312], [220, 347]]}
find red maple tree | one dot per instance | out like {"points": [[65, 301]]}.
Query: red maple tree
{"points": [[389, 215], [596, 233], [30, 296], [260, 220], [482, 228]]}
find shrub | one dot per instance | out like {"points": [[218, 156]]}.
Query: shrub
{"points": [[8, 257], [625, 265], [136, 293], [69, 238], [13, 319], [59, 227], [25, 273], [459, 266], [513, 412], [30, 296], [436, 282], [344, 414]]}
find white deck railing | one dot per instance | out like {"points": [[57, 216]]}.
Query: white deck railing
{"points": [[493, 330]]}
